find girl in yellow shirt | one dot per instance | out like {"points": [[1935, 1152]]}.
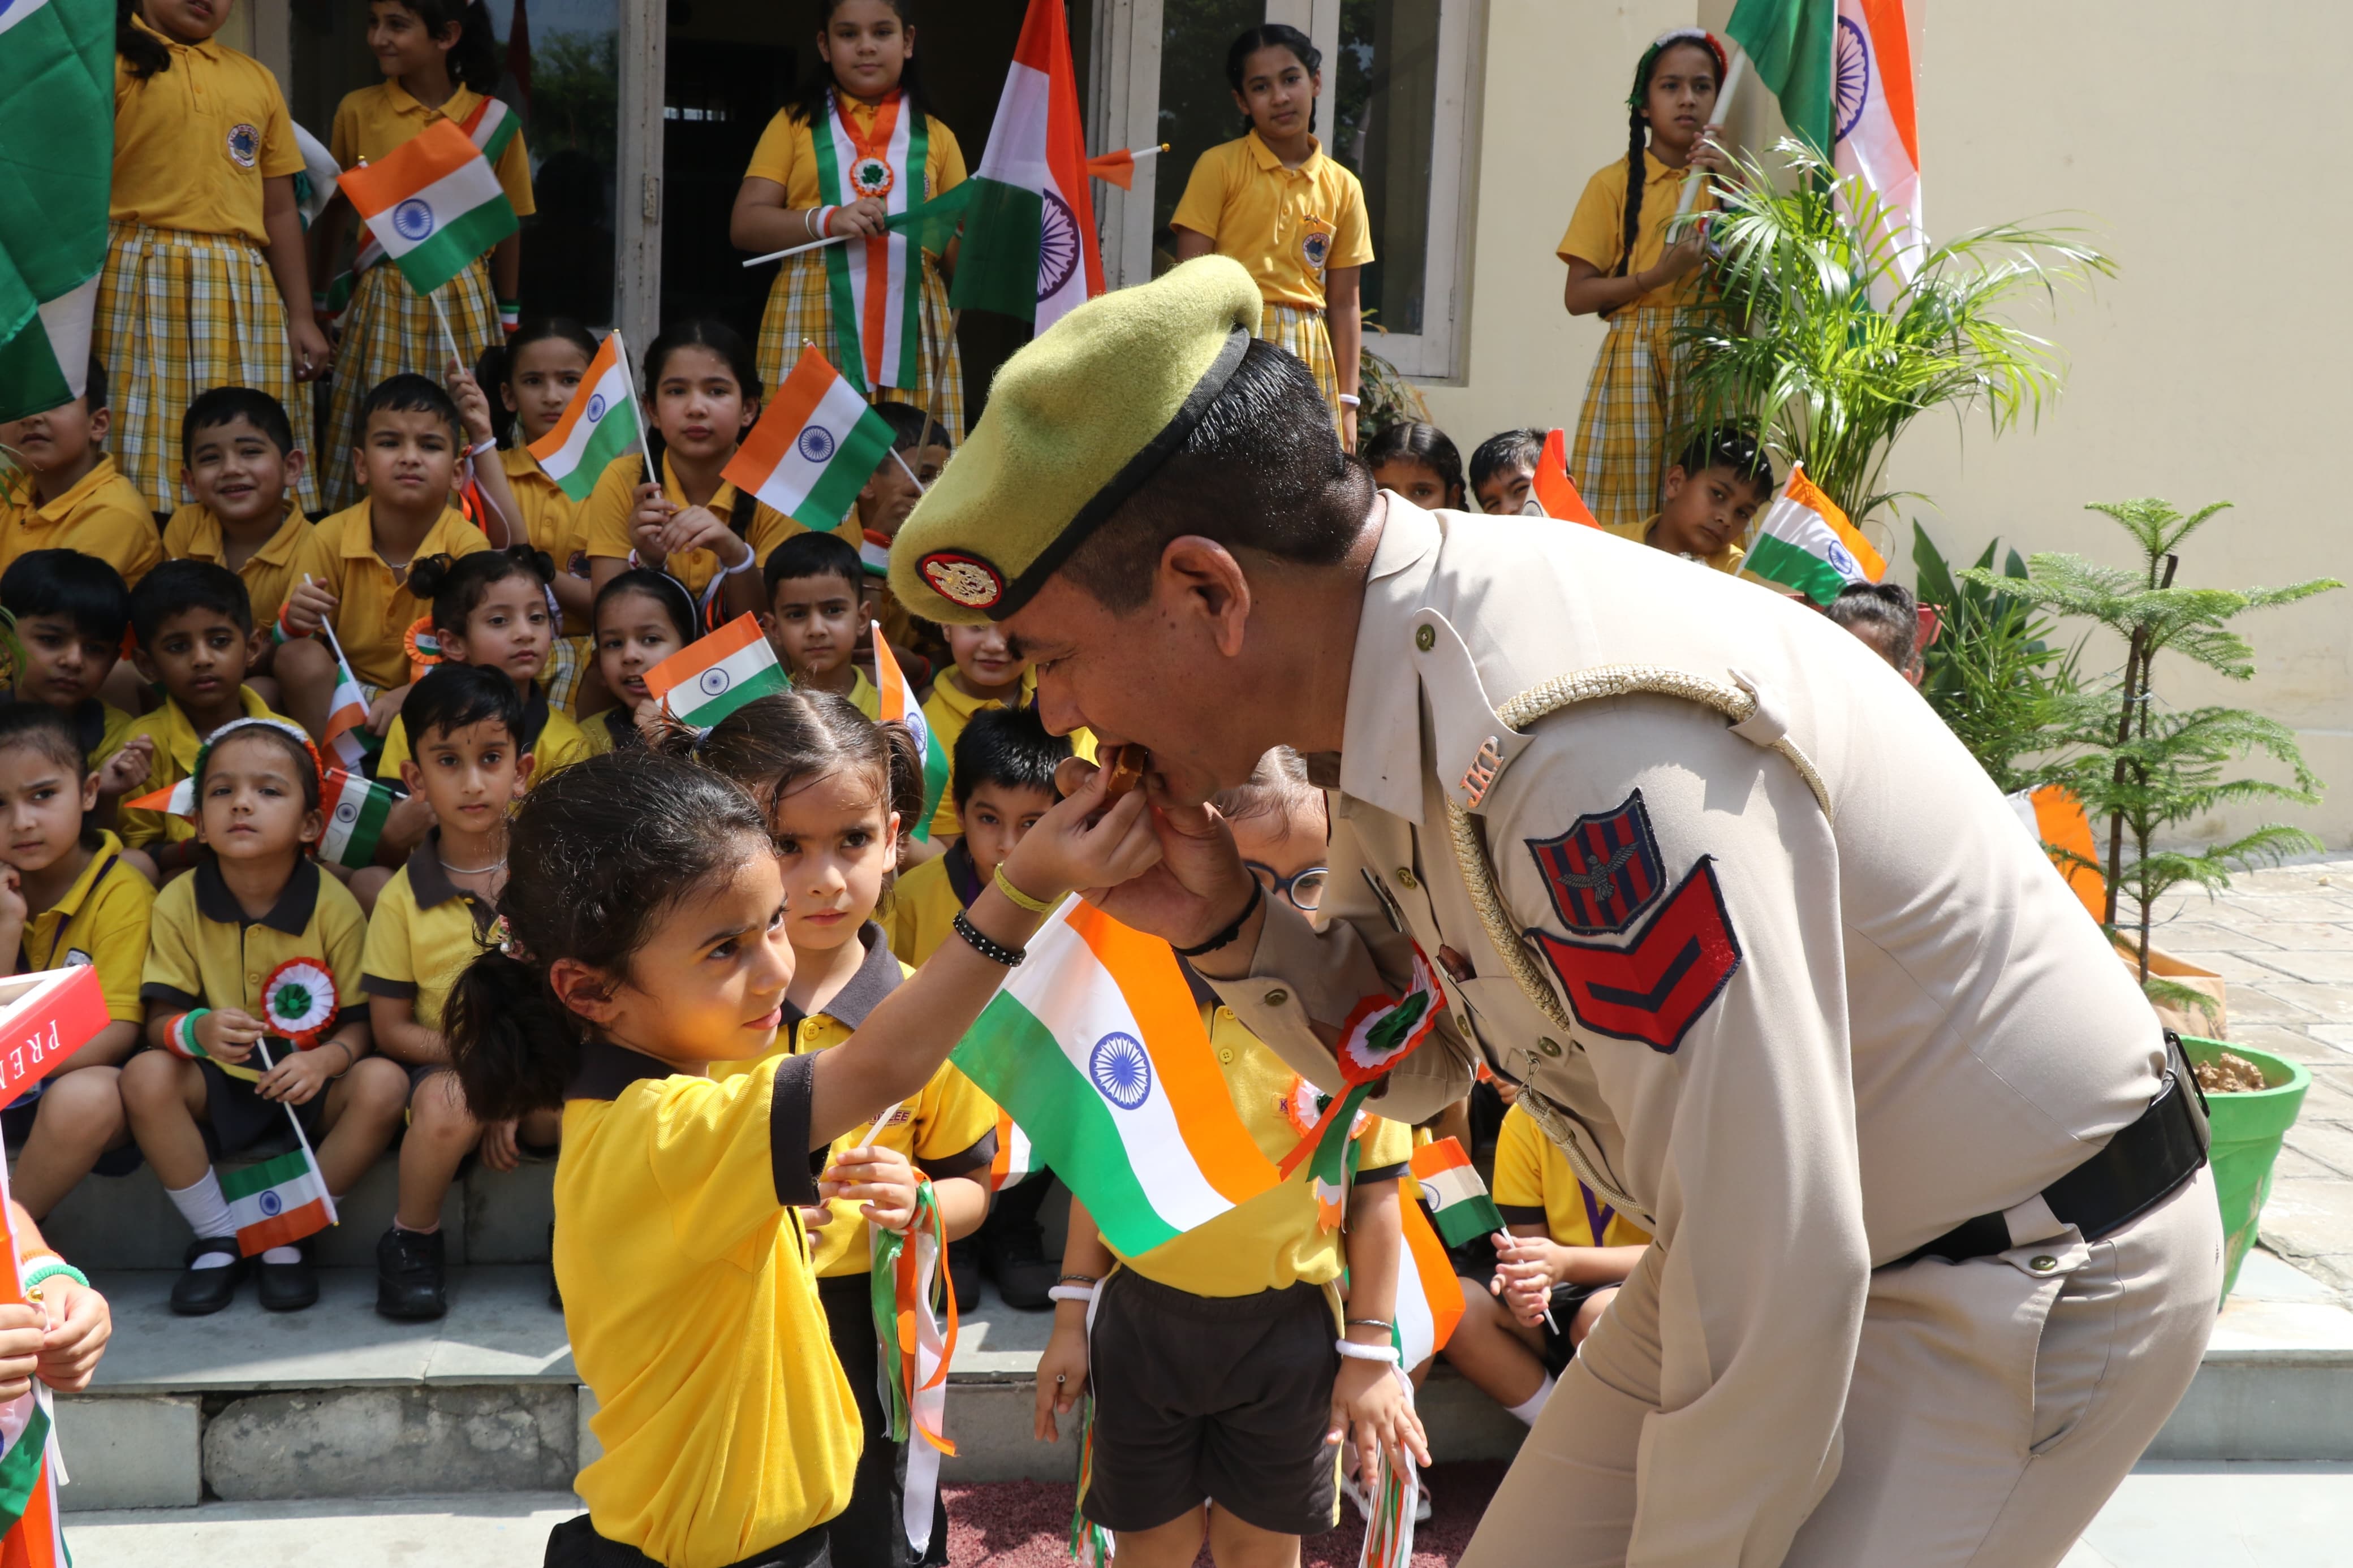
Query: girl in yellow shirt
{"points": [[857, 143], [536, 373], [646, 941], [1621, 267], [205, 283]]}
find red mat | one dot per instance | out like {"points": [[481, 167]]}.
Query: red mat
{"points": [[1027, 1524]]}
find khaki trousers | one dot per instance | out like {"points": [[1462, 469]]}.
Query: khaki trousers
{"points": [[1993, 1409]]}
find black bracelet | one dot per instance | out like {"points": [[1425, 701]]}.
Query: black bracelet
{"points": [[987, 946], [1233, 928]]}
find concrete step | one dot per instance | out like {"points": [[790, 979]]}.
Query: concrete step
{"points": [[334, 1401]]}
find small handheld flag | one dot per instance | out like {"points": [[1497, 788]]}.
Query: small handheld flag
{"points": [[897, 701], [1551, 490], [1458, 1200], [1805, 542], [814, 447], [434, 203], [1119, 168], [29, 1462], [710, 677], [599, 425], [356, 808], [347, 709], [276, 1202]]}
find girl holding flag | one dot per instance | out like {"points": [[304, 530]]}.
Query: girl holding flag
{"points": [[857, 144], [537, 372], [206, 283], [441, 63]]}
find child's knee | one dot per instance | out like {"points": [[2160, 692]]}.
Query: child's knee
{"points": [[151, 1079], [438, 1110], [84, 1105], [379, 1087]]}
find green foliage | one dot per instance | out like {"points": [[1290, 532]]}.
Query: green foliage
{"points": [[2138, 766], [1812, 336], [1389, 397], [1993, 674], [575, 83]]}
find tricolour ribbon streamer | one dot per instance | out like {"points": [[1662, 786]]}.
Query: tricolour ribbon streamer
{"points": [[909, 1286]]}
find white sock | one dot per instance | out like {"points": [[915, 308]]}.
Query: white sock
{"points": [[205, 1209], [282, 1254], [1528, 1409]]}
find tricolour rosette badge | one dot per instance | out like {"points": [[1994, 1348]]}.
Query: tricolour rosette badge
{"points": [[297, 1001]]}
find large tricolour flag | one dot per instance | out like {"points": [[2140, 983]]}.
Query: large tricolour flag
{"points": [[814, 447], [598, 425], [1804, 542], [1875, 136], [1029, 246], [57, 163], [1095, 1045], [434, 203]]}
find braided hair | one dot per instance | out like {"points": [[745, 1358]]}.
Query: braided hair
{"points": [[1638, 126], [142, 50]]}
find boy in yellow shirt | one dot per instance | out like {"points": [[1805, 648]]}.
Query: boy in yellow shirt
{"points": [[242, 466], [71, 612], [813, 617], [197, 639], [76, 498], [411, 434], [1713, 491], [67, 897]]}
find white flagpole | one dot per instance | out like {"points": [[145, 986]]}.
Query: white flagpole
{"points": [[449, 339], [1733, 78], [797, 250], [262, 1045], [920, 489]]}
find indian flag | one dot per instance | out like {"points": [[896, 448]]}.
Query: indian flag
{"points": [[1095, 1045], [278, 1202], [897, 701], [816, 446], [1458, 1199], [710, 679], [1876, 139], [347, 709], [1015, 1160], [599, 425], [1552, 489], [1804, 542], [57, 147], [1029, 246], [490, 127], [355, 806], [30, 1533], [1428, 1298], [874, 554], [434, 203]]}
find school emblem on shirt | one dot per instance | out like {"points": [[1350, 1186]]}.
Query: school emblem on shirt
{"points": [[1316, 246], [872, 176], [244, 145], [962, 579], [578, 564]]}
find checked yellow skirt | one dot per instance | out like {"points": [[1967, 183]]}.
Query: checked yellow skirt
{"points": [[1631, 414], [1302, 331], [389, 328], [800, 310]]}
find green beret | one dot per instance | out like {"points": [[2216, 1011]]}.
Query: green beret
{"points": [[1076, 422]]}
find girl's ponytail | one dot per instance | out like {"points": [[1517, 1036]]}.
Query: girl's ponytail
{"points": [[512, 1044], [906, 764], [142, 50], [1637, 140], [475, 61]]}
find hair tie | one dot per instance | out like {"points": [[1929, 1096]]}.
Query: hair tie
{"points": [[502, 938]]}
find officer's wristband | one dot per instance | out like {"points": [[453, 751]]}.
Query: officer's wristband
{"points": [[1232, 929]]}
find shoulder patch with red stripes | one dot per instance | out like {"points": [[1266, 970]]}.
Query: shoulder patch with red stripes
{"points": [[1655, 986]]}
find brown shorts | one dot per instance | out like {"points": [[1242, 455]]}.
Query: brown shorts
{"points": [[1212, 1398]]}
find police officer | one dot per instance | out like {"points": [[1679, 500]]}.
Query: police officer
{"points": [[1937, 1251]]}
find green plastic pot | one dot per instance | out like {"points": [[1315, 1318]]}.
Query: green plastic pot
{"points": [[2247, 1129]]}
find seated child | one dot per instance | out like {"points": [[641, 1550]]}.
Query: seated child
{"points": [[242, 466], [1420, 463], [1571, 1253], [1503, 469], [407, 457], [1886, 618], [67, 897], [642, 619], [1712, 493], [204, 1094], [71, 613], [1236, 1317], [813, 617], [75, 498], [836, 787], [1002, 783], [537, 372], [429, 923], [195, 640]]}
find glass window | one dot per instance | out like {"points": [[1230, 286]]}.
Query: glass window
{"points": [[1385, 131], [1197, 104], [563, 69]]}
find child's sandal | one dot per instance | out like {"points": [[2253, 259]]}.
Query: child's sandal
{"points": [[200, 1292]]}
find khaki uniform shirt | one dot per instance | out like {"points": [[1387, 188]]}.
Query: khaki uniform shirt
{"points": [[1770, 955]]}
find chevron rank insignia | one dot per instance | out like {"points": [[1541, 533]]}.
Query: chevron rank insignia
{"points": [[1605, 872]]}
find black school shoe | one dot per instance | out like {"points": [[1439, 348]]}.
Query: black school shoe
{"points": [[410, 1276], [200, 1292], [287, 1287], [1014, 1253]]}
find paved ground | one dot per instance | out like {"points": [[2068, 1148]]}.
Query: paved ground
{"points": [[2283, 941]]}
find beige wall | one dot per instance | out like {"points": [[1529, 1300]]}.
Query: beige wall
{"points": [[2199, 152]]}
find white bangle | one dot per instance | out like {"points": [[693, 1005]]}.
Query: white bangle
{"points": [[489, 446], [1351, 1350], [1350, 400], [751, 559], [1072, 1293]]}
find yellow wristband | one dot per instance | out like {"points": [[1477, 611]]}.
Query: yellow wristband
{"points": [[1021, 900]]}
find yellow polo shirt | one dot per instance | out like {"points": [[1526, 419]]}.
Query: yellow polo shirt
{"points": [[102, 921], [1289, 227], [949, 1128], [549, 734], [552, 520], [375, 609], [1596, 230], [102, 515], [726, 1422], [948, 710], [925, 901], [204, 952], [425, 929], [1535, 1185], [609, 731], [1727, 559], [373, 120], [177, 742], [787, 154], [605, 516], [194, 143], [1275, 1240], [270, 574]]}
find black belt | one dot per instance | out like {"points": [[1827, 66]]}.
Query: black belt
{"points": [[2140, 1167]]}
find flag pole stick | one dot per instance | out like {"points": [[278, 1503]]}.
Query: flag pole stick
{"points": [[1733, 78], [902, 462], [1549, 1323], [636, 409], [797, 250], [328, 631], [449, 339], [262, 1046], [939, 368]]}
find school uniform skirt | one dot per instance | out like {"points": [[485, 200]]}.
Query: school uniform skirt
{"points": [[1302, 331], [387, 329], [1631, 414], [180, 314], [800, 310]]}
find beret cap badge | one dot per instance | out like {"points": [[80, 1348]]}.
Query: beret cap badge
{"points": [[962, 579]]}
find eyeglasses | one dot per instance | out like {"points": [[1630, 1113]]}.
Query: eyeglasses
{"points": [[1303, 889]]}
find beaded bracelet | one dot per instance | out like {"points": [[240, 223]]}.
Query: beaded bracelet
{"points": [[1021, 900], [988, 947]]}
